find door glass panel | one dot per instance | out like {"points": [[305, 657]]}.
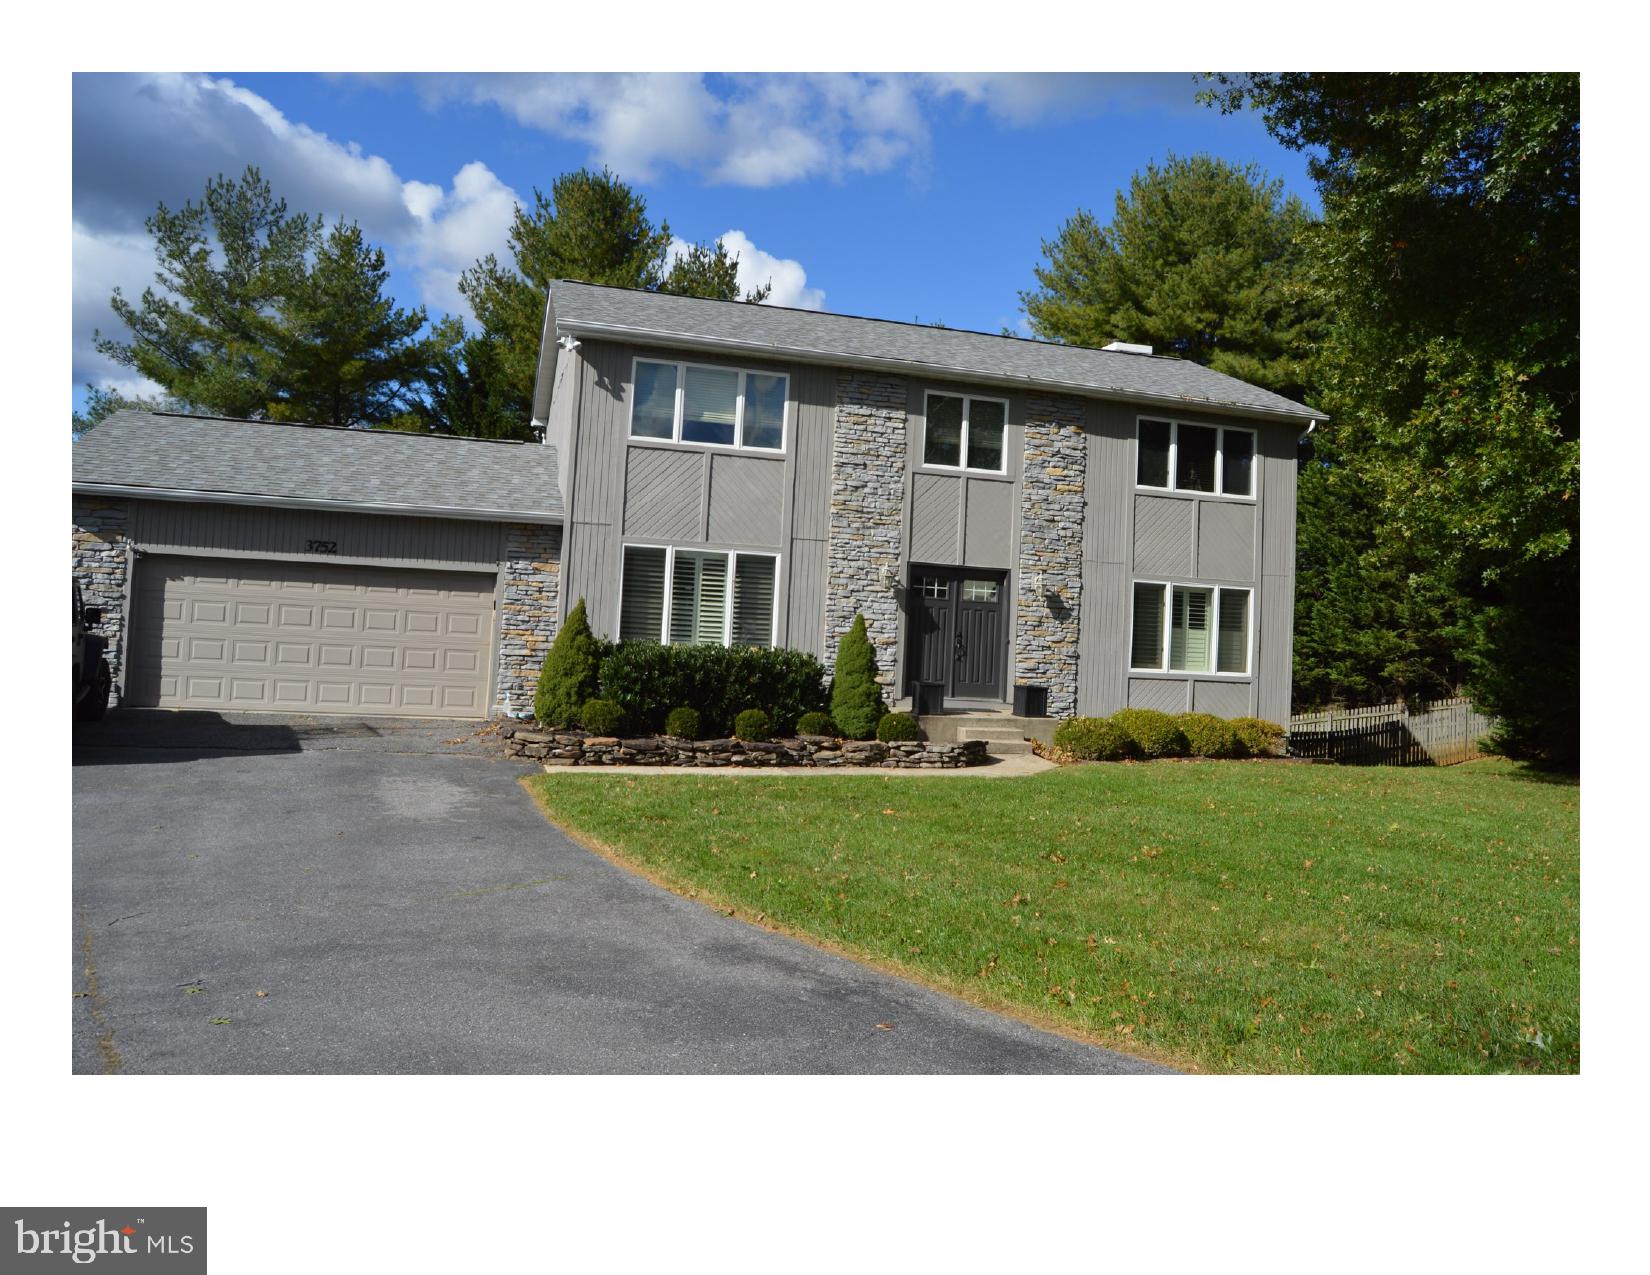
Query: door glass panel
{"points": [[654, 413], [979, 591], [986, 420], [710, 400], [943, 442], [936, 587]]}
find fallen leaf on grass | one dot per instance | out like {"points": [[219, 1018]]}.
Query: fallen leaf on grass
{"points": [[217, 1022], [260, 993], [887, 1027], [192, 991]]}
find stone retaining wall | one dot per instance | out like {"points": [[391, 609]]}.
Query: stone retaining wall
{"points": [[575, 748]]}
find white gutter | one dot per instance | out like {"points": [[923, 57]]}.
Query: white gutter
{"points": [[940, 371], [292, 502]]}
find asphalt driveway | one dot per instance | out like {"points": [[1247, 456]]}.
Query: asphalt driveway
{"points": [[262, 894]]}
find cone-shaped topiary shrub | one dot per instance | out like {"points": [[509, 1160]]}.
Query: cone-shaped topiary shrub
{"points": [[856, 698], [753, 724], [898, 728], [571, 672]]}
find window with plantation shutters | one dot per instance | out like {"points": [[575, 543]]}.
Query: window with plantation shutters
{"points": [[1189, 630], [753, 591], [1233, 653], [699, 598], [1146, 642], [642, 595]]}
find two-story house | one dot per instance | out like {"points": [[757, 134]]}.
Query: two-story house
{"points": [[1107, 527]]}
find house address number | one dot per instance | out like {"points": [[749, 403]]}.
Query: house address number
{"points": [[320, 546]]}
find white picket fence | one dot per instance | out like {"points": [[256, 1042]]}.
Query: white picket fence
{"points": [[1437, 734]]}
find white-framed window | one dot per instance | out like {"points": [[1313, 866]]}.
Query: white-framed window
{"points": [[1180, 456], [711, 406], [684, 596], [1190, 628], [965, 431]]}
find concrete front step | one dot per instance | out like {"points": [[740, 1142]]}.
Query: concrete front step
{"points": [[992, 727], [1007, 747]]}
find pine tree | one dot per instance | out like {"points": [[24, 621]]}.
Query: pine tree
{"points": [[571, 674], [711, 273], [856, 696]]}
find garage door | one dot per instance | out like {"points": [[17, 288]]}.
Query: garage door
{"points": [[301, 637]]}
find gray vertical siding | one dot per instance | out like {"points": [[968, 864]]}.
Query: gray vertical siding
{"points": [[812, 429], [1275, 640], [1108, 521]]}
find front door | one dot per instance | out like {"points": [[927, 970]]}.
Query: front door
{"points": [[955, 622]]}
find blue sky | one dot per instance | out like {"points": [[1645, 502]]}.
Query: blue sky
{"points": [[903, 197]]}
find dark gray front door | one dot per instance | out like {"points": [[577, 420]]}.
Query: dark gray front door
{"points": [[955, 621]]}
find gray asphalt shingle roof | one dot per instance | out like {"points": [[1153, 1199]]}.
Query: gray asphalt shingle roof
{"points": [[461, 477], [589, 308]]}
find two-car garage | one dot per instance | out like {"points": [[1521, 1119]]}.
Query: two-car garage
{"points": [[250, 566], [238, 634]]}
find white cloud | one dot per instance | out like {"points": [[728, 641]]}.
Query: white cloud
{"points": [[789, 279], [456, 228]]}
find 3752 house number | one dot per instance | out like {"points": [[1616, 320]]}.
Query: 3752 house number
{"points": [[320, 546]]}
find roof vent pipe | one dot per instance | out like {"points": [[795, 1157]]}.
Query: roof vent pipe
{"points": [[1123, 347]]}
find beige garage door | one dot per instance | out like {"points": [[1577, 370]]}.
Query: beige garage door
{"points": [[300, 637]]}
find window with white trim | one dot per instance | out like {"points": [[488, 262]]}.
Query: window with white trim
{"points": [[1189, 628], [961, 431], [714, 406], [684, 596], [1213, 459]]}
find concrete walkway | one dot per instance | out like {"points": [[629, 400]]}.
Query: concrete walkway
{"points": [[404, 907]]}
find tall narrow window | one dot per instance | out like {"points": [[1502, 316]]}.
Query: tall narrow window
{"points": [[710, 405], [1146, 642], [699, 598], [1152, 460], [1233, 653], [1194, 461], [1189, 630], [1237, 473], [942, 444], [642, 611], [653, 414], [753, 584], [764, 411], [987, 418]]}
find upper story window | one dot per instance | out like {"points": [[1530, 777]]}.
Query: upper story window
{"points": [[717, 406], [965, 432], [1172, 456]]}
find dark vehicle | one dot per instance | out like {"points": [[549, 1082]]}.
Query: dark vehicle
{"points": [[91, 671]]}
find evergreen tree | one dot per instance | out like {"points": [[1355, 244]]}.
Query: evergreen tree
{"points": [[224, 266], [571, 674], [103, 403], [591, 227], [464, 390], [856, 696], [710, 273], [339, 352], [1201, 259]]}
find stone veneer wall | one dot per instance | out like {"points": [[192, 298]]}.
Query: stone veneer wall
{"points": [[1051, 542], [530, 591], [100, 565], [867, 511]]}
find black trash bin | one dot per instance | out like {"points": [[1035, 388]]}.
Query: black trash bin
{"points": [[927, 697], [1030, 701]]}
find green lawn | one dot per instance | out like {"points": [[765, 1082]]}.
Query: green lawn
{"points": [[1222, 916]]}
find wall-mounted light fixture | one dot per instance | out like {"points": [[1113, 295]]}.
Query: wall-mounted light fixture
{"points": [[887, 577]]}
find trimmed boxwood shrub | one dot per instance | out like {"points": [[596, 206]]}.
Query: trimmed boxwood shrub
{"points": [[816, 723], [571, 673], [856, 696], [1260, 737], [602, 717], [898, 728], [753, 724], [1154, 734], [1093, 739], [682, 722], [647, 680], [1209, 736]]}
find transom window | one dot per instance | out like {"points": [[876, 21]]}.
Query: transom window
{"points": [[683, 596], [1189, 628], [965, 432], [1173, 456], [716, 406]]}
